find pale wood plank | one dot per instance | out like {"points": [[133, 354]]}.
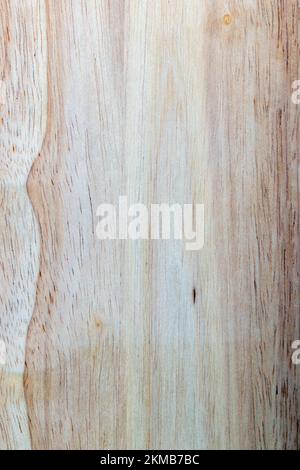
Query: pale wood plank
{"points": [[76, 356], [23, 55], [142, 344]]}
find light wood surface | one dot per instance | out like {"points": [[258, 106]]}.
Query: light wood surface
{"points": [[142, 344]]}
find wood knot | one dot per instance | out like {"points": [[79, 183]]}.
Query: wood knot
{"points": [[227, 19], [194, 295]]}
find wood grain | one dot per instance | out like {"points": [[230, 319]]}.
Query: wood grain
{"points": [[141, 344], [22, 122]]}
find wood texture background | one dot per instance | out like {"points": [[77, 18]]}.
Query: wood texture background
{"points": [[142, 344]]}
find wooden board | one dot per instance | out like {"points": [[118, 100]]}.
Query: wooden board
{"points": [[142, 344]]}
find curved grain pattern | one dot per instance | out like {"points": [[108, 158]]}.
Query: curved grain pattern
{"points": [[22, 122], [75, 356]]}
